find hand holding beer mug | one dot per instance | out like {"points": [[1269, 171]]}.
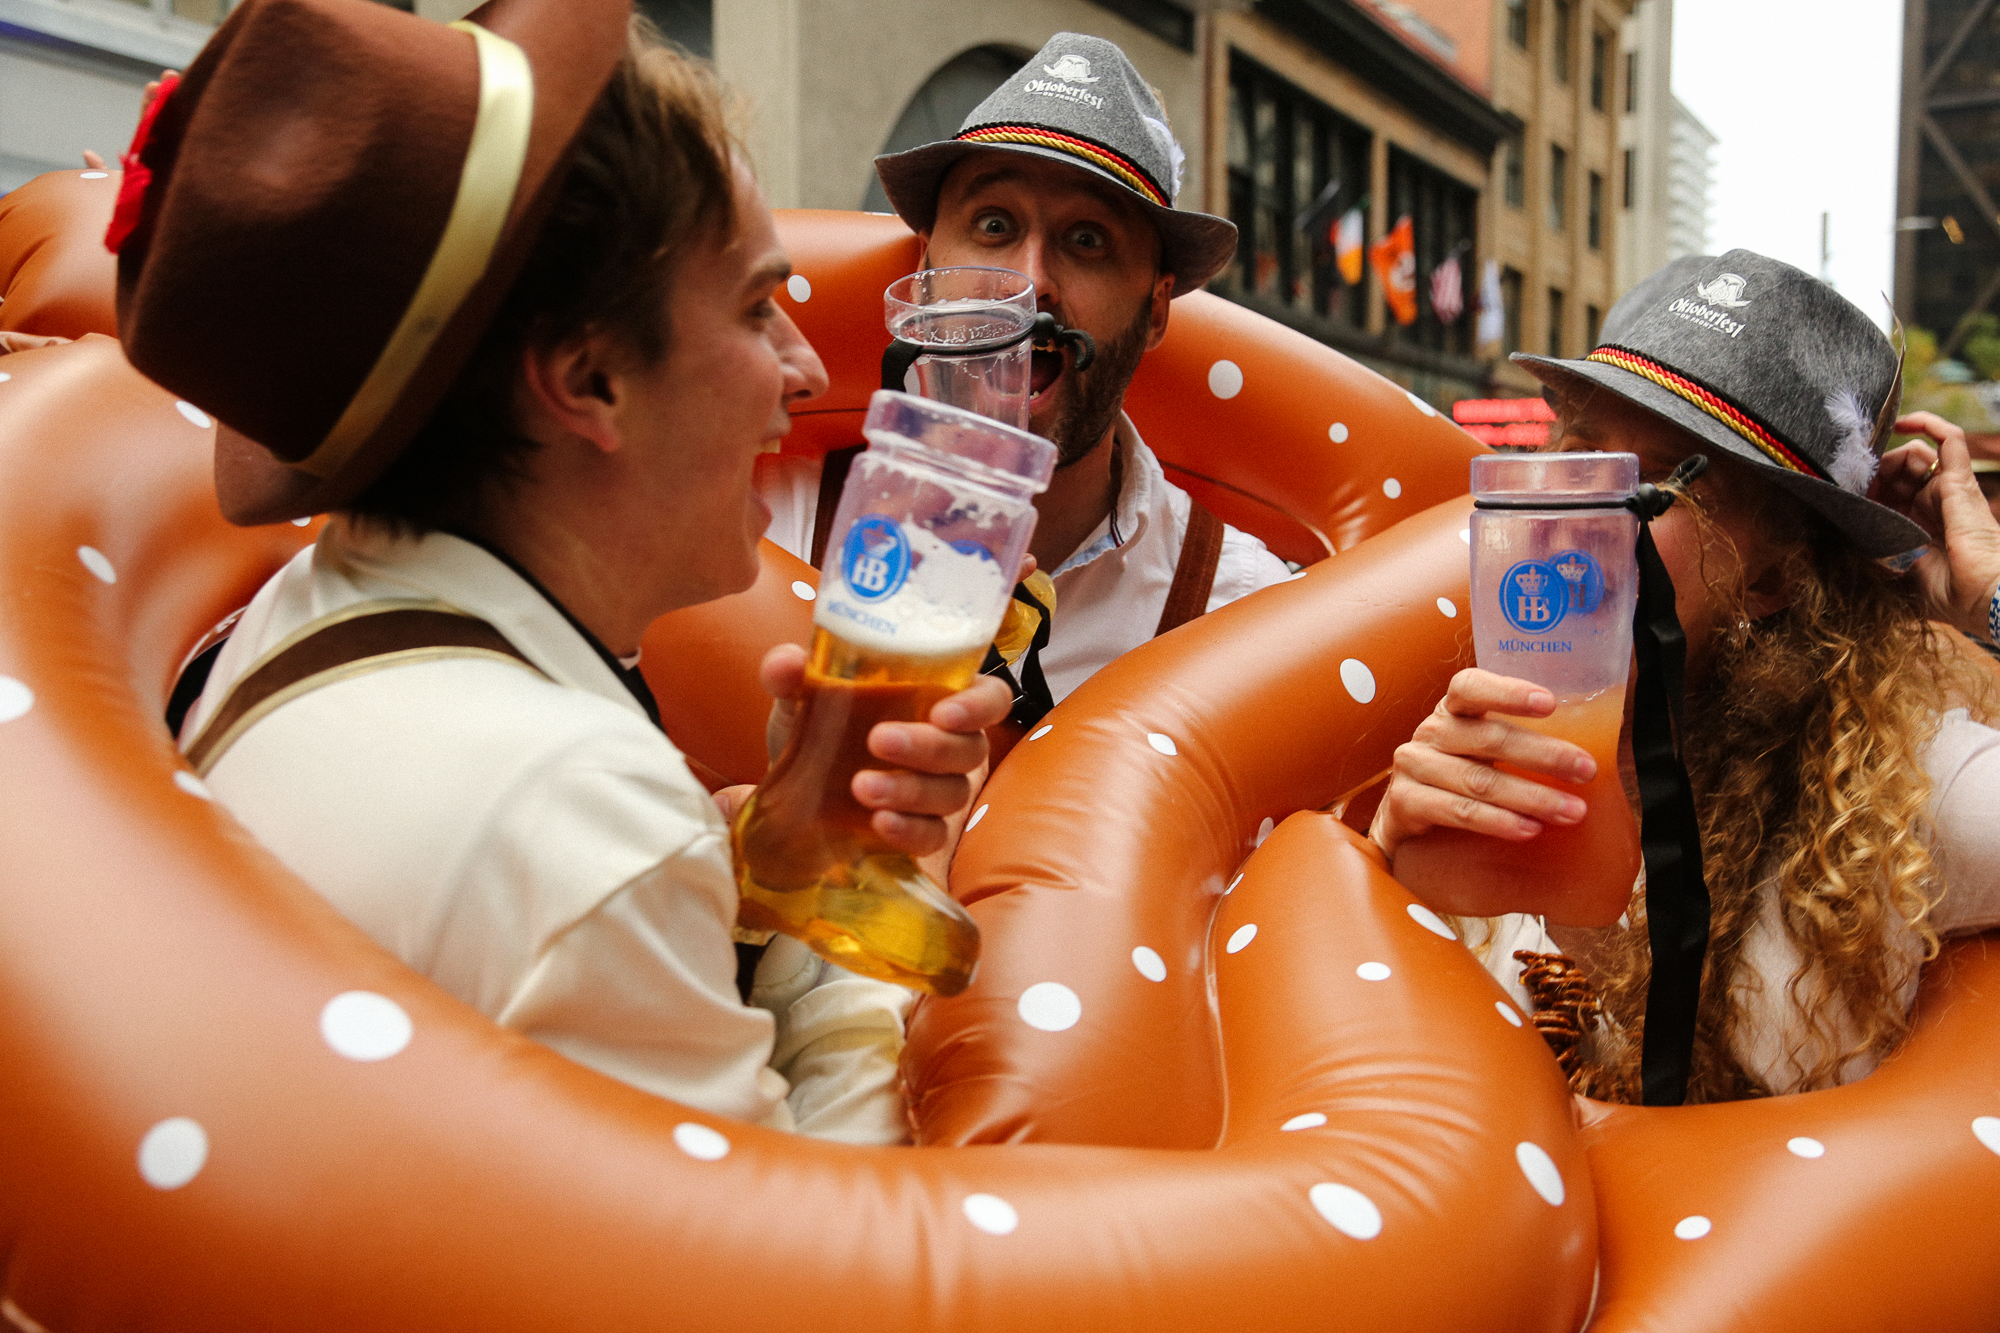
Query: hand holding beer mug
{"points": [[931, 528], [1554, 583]]}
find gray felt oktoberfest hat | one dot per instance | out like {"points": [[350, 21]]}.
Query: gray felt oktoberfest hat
{"points": [[1769, 365], [1080, 102]]}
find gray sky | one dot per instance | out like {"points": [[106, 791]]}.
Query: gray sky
{"points": [[1803, 95]]}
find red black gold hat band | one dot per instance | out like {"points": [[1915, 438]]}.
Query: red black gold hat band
{"points": [[1708, 401], [1095, 154]]}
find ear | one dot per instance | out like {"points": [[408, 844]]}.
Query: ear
{"points": [[1767, 588], [1163, 297], [572, 391]]}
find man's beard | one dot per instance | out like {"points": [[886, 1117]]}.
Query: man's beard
{"points": [[1098, 394]]}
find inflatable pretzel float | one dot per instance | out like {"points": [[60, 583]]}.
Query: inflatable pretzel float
{"points": [[1214, 1092]]}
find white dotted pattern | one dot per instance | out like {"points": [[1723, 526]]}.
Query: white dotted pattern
{"points": [[4, 377], [1430, 921], [1264, 829], [1151, 966], [15, 699], [1987, 1130], [991, 1214], [1392, 488], [1337, 432], [192, 785], [1164, 744], [1448, 607], [1420, 404], [1540, 1169], [1508, 1012], [1041, 731], [303, 521], [1240, 940], [1358, 679], [195, 416], [96, 562], [1350, 1212], [92, 175], [1465, 535], [1805, 1147], [362, 1025], [700, 1142], [1693, 1228], [1050, 1006], [1310, 1120], [173, 1153], [1232, 884], [1225, 379], [1373, 972], [799, 289], [977, 815], [804, 591]]}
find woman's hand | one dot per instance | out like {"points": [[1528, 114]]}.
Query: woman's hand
{"points": [[930, 768], [1444, 777], [1960, 571]]}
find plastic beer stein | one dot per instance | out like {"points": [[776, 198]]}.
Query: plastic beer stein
{"points": [[932, 524], [1554, 583], [969, 330]]}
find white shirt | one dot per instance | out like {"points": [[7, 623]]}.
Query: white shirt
{"points": [[1110, 593], [538, 848]]}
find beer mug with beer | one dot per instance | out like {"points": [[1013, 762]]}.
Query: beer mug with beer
{"points": [[1554, 584], [962, 336], [932, 524]]}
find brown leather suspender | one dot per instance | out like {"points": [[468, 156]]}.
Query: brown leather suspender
{"points": [[364, 638]]}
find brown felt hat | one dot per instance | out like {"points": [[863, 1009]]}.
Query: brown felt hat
{"points": [[340, 195]]}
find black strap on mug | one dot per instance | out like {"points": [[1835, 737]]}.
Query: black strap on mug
{"points": [[1046, 332], [1677, 908]]}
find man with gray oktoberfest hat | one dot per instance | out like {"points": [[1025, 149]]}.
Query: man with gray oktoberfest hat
{"points": [[1069, 174]]}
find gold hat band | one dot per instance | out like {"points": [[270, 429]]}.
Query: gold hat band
{"points": [[486, 185]]}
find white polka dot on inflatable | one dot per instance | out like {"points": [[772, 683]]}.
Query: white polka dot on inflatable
{"points": [[97, 563], [991, 1214], [92, 175], [1310, 1120], [303, 521], [1233, 883], [1050, 1006], [1225, 379], [1041, 731], [1420, 404], [1358, 679], [1164, 744], [1351, 1212], [1540, 1169], [799, 289], [1151, 966], [1337, 432], [1465, 535], [192, 785], [173, 1153], [1508, 1012], [195, 416], [1987, 1130], [1448, 607], [1805, 1147], [362, 1025], [804, 591], [700, 1142], [4, 377], [1264, 829], [1240, 940], [1373, 972], [1430, 921], [977, 815], [15, 699], [1693, 1228], [1392, 488]]}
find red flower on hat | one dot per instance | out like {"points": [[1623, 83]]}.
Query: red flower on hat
{"points": [[132, 192]]}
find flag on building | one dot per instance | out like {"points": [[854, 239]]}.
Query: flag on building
{"points": [[1395, 260], [1448, 289], [1492, 327], [1347, 247]]}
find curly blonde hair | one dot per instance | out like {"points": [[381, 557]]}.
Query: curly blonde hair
{"points": [[1805, 745]]}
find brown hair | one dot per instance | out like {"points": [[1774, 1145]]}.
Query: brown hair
{"points": [[650, 173]]}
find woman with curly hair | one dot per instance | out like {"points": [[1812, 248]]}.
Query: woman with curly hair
{"points": [[1839, 726]]}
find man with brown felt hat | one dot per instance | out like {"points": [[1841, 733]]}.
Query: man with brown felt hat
{"points": [[498, 295], [1069, 173]]}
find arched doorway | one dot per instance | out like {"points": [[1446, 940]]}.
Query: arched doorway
{"points": [[942, 104]]}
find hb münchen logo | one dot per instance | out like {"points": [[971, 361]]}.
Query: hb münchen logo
{"points": [[1533, 597], [875, 558]]}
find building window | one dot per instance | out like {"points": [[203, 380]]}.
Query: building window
{"points": [[1443, 213], [1631, 171], [1285, 147], [1558, 187], [1595, 220], [1555, 321], [1516, 176], [1510, 307], [1559, 40], [1517, 23], [1593, 320], [1631, 81], [1600, 53]]}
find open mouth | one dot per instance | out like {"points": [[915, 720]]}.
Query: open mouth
{"points": [[1045, 368]]}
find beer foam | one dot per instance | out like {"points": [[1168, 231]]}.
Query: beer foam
{"points": [[950, 603]]}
